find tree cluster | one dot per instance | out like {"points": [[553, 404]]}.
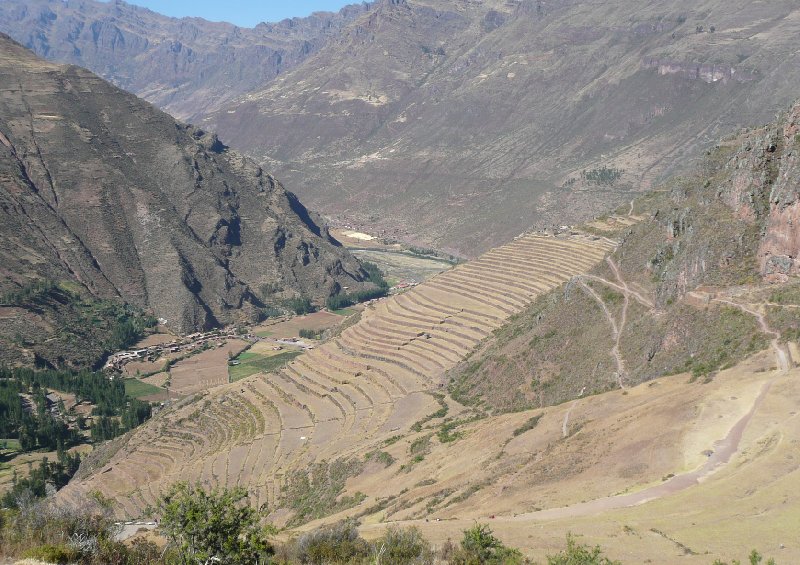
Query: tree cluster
{"points": [[374, 275], [114, 412], [56, 474]]}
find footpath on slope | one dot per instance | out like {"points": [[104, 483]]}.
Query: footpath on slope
{"points": [[724, 449]]}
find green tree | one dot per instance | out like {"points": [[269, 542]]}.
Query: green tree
{"points": [[577, 554], [213, 526], [479, 546]]}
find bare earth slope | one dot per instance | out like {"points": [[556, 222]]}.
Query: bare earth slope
{"points": [[187, 66], [340, 400], [670, 471], [102, 190]]}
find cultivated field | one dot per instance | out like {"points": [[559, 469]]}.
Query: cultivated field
{"points": [[204, 370], [347, 396], [279, 329], [402, 265]]}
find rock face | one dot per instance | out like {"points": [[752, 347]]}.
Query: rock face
{"points": [[764, 190], [188, 66], [779, 254], [102, 190]]}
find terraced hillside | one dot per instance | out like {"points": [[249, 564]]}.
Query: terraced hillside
{"points": [[344, 398]]}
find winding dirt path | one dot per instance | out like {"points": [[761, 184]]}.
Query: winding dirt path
{"points": [[616, 329], [724, 449], [565, 423], [623, 320], [781, 356], [615, 332], [644, 301]]}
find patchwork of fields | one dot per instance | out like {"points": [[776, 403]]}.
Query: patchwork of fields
{"points": [[371, 382]]}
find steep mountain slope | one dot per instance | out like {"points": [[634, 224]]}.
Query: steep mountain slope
{"points": [[706, 274], [101, 191], [187, 66], [463, 123]]}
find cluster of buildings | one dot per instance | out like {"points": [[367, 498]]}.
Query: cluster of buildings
{"points": [[191, 342], [402, 286]]}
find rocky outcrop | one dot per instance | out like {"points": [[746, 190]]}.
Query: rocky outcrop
{"points": [[708, 73], [763, 188], [779, 253], [103, 191]]}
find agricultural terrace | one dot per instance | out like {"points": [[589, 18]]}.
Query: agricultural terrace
{"points": [[343, 397]]}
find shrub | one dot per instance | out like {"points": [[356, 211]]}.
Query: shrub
{"points": [[38, 529], [420, 445], [316, 492], [446, 433], [479, 546], [381, 457], [402, 546], [529, 425], [577, 554], [754, 558], [339, 543], [53, 553], [218, 525]]}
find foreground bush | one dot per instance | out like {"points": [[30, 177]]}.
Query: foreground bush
{"points": [[577, 554], [402, 546], [479, 546], [217, 526], [340, 543], [38, 529]]}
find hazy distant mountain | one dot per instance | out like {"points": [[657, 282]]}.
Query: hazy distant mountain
{"points": [[462, 123], [103, 192], [187, 66]]}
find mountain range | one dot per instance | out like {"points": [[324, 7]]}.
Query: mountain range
{"points": [[453, 123]]}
